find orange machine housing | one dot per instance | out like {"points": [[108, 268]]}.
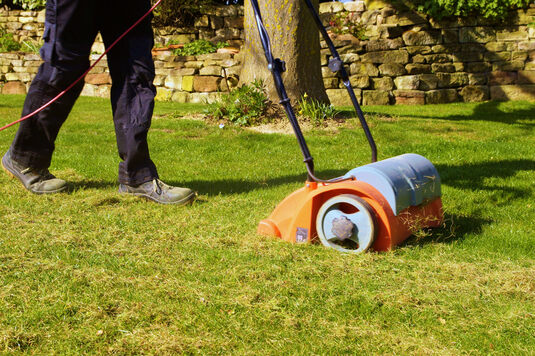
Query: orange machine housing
{"points": [[294, 219]]}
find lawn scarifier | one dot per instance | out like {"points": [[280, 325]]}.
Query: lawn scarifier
{"points": [[377, 205]]}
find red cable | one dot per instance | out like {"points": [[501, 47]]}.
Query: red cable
{"points": [[85, 73]]}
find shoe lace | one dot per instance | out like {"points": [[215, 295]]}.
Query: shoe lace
{"points": [[158, 186]]}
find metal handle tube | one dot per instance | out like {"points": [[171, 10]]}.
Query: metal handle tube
{"points": [[276, 66], [337, 65]]}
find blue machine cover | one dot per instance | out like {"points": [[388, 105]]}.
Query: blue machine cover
{"points": [[406, 180]]}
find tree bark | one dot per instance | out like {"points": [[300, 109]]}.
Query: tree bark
{"points": [[294, 39]]}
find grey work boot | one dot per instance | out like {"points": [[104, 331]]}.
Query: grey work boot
{"points": [[160, 192], [38, 181]]}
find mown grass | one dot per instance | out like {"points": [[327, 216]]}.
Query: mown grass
{"points": [[94, 272]]}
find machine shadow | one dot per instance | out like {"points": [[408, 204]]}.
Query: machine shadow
{"points": [[473, 177]]}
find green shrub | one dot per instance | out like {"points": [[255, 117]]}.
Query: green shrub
{"points": [[198, 47], [24, 4], [317, 112], [7, 42], [243, 106], [347, 23], [492, 9], [179, 12]]}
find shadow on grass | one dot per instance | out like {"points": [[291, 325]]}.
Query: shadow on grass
{"points": [[489, 111], [472, 176]]}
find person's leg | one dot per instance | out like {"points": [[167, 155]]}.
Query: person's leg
{"points": [[69, 33], [132, 96]]}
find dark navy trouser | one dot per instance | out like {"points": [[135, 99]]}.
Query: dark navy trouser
{"points": [[70, 30]]}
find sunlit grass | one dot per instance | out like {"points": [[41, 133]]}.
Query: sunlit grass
{"points": [[95, 272]]}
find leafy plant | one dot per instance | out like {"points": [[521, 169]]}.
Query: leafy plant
{"points": [[7, 42], [198, 47], [30, 46], [347, 23], [243, 106], [492, 9], [179, 13], [316, 111]]}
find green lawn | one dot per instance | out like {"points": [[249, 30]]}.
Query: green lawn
{"points": [[94, 272]]}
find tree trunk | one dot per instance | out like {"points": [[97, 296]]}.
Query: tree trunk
{"points": [[294, 39]]}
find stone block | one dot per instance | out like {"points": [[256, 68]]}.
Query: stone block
{"points": [[419, 50], [428, 82], [355, 6], [14, 88], [98, 79], [477, 79], [193, 64], [437, 58], [478, 67], [519, 56], [513, 92], [475, 93], [375, 97], [496, 46], [422, 38], [526, 77], [211, 70], [392, 69], [163, 94], [227, 63], [180, 97], [348, 58], [339, 97], [508, 66], [384, 44], [206, 84], [173, 82], [331, 7], [443, 68], [358, 81], [406, 19], [409, 82], [409, 97], [330, 83], [384, 83], [452, 80], [515, 34], [497, 56], [477, 34], [418, 68], [185, 71], [187, 83], [526, 46], [234, 22], [396, 56], [364, 69], [213, 56], [502, 78], [442, 96]]}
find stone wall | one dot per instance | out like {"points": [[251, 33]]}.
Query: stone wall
{"points": [[406, 58], [410, 59]]}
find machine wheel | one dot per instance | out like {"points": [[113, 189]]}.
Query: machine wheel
{"points": [[346, 223]]}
